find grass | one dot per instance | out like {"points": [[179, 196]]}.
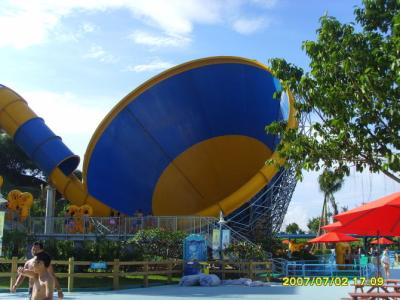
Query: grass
{"points": [[100, 282]]}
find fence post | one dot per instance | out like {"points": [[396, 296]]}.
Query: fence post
{"points": [[14, 267], [146, 276], [169, 271], [116, 274], [251, 270], [222, 269], [70, 274]]}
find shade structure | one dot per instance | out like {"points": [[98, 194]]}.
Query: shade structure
{"points": [[382, 241], [380, 218], [285, 241], [332, 226], [333, 237]]}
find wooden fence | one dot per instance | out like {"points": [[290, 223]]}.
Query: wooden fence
{"points": [[143, 268]]}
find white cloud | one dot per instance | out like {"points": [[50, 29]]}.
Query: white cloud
{"points": [[65, 113], [154, 65], [249, 26], [148, 39], [73, 117], [97, 52], [296, 214], [24, 23], [63, 34], [88, 27]]}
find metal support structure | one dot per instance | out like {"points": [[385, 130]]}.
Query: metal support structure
{"points": [[50, 207], [221, 223], [263, 215]]}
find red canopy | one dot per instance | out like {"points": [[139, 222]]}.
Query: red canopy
{"points": [[332, 226], [379, 217], [382, 241], [285, 241], [333, 237]]}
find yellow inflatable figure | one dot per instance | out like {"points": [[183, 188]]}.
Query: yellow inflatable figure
{"points": [[78, 221], [25, 202], [296, 247], [12, 205], [19, 205], [341, 250], [86, 211]]}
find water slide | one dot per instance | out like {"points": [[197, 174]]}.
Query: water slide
{"points": [[189, 141]]}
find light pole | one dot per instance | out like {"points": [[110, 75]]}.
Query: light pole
{"points": [[221, 222]]}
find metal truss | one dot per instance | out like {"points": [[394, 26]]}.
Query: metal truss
{"points": [[263, 215]]}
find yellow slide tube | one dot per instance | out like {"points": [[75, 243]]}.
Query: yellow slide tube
{"points": [[14, 112]]}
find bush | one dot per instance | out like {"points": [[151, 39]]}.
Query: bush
{"points": [[245, 251], [158, 244], [15, 243]]}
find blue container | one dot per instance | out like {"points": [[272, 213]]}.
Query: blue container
{"points": [[191, 268]]}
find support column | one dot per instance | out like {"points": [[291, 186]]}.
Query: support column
{"points": [[50, 206]]}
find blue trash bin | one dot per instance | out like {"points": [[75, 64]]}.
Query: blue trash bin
{"points": [[191, 268]]}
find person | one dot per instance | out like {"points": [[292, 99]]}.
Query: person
{"points": [[42, 280], [86, 221], [67, 218], [112, 222], [347, 257], [386, 263], [36, 249]]}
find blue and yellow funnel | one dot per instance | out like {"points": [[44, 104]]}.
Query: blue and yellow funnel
{"points": [[190, 141]]}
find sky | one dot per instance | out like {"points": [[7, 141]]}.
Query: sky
{"points": [[74, 60]]}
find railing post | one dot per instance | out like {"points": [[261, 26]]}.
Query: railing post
{"points": [[116, 274], [14, 267], [222, 270], [70, 274], [169, 271], [146, 275]]}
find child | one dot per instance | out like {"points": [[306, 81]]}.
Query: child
{"points": [[43, 281]]}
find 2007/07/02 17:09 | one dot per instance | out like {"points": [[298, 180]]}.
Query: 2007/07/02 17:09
{"points": [[332, 281]]}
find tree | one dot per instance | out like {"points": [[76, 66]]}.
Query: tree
{"points": [[313, 224], [17, 169], [329, 183], [293, 228], [351, 95]]}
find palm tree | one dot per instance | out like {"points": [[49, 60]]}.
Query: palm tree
{"points": [[329, 183]]}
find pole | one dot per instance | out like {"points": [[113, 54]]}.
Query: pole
{"points": [[50, 206], [221, 222], [378, 263]]}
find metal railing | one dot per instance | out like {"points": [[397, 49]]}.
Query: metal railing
{"points": [[123, 226], [294, 269]]}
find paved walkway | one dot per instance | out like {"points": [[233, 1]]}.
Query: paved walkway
{"points": [[174, 292], [221, 292]]}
